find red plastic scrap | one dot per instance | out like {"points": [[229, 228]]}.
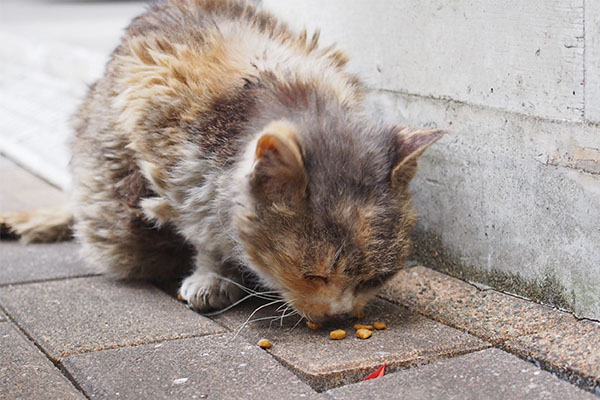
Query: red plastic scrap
{"points": [[377, 374]]}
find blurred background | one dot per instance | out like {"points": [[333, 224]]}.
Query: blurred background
{"points": [[49, 52]]}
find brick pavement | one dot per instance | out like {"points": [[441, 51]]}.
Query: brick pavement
{"points": [[26, 373], [410, 339], [487, 374], [69, 333], [216, 366]]}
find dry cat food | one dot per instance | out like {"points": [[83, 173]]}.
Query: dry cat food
{"points": [[364, 333], [379, 325], [264, 343], [337, 334], [314, 325]]}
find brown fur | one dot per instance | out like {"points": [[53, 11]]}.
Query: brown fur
{"points": [[51, 224], [217, 133]]}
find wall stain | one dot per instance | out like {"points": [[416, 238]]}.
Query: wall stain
{"points": [[586, 159], [430, 252]]}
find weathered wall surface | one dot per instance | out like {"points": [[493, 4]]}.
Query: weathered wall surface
{"points": [[511, 197]]}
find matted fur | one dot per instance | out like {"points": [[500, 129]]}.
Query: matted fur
{"points": [[220, 138]]}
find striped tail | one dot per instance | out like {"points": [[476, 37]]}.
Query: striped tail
{"points": [[51, 224]]}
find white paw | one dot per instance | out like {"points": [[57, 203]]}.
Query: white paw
{"points": [[208, 291]]}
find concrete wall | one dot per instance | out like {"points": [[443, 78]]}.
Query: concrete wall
{"points": [[511, 197]]}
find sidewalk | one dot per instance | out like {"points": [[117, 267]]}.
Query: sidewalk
{"points": [[49, 53], [69, 333]]}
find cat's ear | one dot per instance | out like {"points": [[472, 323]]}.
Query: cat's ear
{"points": [[410, 145], [278, 172]]}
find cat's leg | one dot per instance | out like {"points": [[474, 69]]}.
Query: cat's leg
{"points": [[213, 285], [125, 246], [115, 234]]}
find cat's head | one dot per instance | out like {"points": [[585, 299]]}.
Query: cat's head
{"points": [[327, 219]]}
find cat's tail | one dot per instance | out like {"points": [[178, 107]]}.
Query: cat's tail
{"points": [[50, 224]]}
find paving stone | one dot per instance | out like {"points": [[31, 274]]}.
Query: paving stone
{"points": [[572, 351], [488, 374], [84, 314], [490, 315], [25, 373], [409, 339], [216, 366], [21, 190], [38, 262]]}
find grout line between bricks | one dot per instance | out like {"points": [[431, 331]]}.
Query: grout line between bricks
{"points": [[56, 363], [304, 378], [127, 345], [229, 330], [357, 374], [582, 382], [58, 279], [485, 288], [71, 379], [279, 360], [287, 366], [572, 377], [585, 383], [216, 321]]}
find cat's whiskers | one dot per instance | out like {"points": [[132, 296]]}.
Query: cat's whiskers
{"points": [[296, 324], [229, 307], [267, 295], [283, 311], [272, 318], [254, 312], [284, 315], [286, 304]]}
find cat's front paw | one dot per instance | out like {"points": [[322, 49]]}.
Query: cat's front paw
{"points": [[209, 291]]}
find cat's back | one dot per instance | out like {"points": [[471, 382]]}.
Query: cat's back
{"points": [[233, 34], [189, 75], [182, 57], [174, 63], [190, 20]]}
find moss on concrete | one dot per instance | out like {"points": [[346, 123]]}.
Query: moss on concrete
{"points": [[429, 250]]}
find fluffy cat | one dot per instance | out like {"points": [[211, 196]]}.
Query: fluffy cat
{"points": [[219, 139]]}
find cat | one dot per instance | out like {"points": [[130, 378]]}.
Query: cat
{"points": [[220, 142]]}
